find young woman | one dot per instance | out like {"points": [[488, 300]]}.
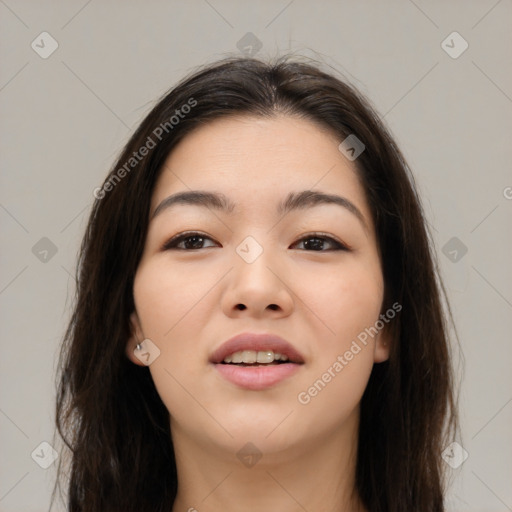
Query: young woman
{"points": [[258, 322]]}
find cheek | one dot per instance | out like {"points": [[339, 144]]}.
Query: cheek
{"points": [[174, 303], [167, 297], [345, 301], [344, 357], [334, 394], [348, 307], [170, 305]]}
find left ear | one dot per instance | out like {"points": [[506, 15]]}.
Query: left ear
{"points": [[382, 345]]}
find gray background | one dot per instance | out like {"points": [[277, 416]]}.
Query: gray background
{"points": [[64, 119]]}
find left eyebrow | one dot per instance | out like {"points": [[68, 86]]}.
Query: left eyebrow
{"points": [[311, 198], [293, 201]]}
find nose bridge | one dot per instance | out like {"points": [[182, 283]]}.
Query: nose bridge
{"points": [[254, 258], [255, 282]]}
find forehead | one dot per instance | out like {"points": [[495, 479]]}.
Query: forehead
{"points": [[281, 144], [258, 161]]}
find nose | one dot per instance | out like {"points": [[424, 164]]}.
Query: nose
{"points": [[259, 288]]}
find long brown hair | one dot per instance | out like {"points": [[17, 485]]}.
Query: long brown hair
{"points": [[108, 411]]}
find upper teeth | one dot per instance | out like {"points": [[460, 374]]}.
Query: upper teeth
{"points": [[251, 356]]}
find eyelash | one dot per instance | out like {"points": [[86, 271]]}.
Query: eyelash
{"points": [[171, 244]]}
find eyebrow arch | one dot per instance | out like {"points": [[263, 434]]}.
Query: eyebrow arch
{"points": [[293, 201]]}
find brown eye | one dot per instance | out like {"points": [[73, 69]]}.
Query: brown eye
{"points": [[194, 240], [316, 242], [189, 241]]}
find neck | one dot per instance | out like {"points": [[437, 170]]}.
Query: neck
{"points": [[318, 476]]}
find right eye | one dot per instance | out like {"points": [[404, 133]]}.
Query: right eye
{"points": [[193, 240]]}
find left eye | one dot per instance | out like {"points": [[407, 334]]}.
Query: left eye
{"points": [[319, 240], [194, 241]]}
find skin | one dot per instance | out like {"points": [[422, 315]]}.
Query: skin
{"points": [[186, 304]]}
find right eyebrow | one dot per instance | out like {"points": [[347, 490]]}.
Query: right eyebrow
{"points": [[214, 200]]}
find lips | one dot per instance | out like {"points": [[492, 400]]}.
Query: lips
{"points": [[257, 377], [257, 342]]}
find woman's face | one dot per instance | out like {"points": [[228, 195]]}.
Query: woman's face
{"points": [[286, 269]]}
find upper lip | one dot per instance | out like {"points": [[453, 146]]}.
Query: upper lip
{"points": [[257, 342]]}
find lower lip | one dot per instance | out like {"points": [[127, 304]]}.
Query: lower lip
{"points": [[257, 378]]}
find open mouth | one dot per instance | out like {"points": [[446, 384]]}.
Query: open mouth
{"points": [[256, 370], [256, 358], [273, 363], [256, 361]]}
